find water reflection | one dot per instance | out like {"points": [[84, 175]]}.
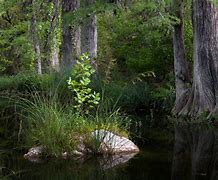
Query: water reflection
{"points": [[195, 157], [142, 166], [112, 161], [195, 152], [82, 168]]}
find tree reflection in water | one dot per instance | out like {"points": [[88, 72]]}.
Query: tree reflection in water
{"points": [[195, 152]]}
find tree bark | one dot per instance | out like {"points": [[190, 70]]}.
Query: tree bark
{"points": [[180, 64], [204, 93], [89, 35], [89, 40], [70, 35], [35, 40], [54, 37]]}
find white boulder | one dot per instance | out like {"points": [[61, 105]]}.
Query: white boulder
{"points": [[110, 143]]}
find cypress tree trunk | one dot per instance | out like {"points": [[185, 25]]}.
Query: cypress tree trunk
{"points": [[180, 64], [35, 40], [89, 40], [55, 55], [70, 35], [89, 34], [204, 96], [54, 37]]}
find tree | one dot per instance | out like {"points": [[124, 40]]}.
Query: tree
{"points": [[70, 35], [35, 39], [180, 64], [89, 33], [54, 27], [204, 93]]}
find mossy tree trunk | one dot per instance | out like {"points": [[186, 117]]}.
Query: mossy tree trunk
{"points": [[54, 28], [70, 35], [35, 39], [89, 33], [204, 93]]}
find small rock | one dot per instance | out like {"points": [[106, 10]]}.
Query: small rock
{"points": [[65, 155], [78, 153], [34, 152]]}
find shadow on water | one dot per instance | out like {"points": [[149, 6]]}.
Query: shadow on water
{"points": [[195, 152]]}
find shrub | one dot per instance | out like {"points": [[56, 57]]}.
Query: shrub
{"points": [[84, 97]]}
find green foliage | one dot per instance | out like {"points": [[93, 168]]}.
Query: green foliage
{"points": [[138, 96], [27, 82], [6, 83], [16, 52], [138, 38], [78, 83], [16, 46]]}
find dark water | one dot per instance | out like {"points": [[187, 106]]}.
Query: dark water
{"points": [[149, 164], [194, 156]]}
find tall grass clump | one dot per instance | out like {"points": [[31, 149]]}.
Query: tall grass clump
{"points": [[59, 125], [28, 87], [58, 129], [45, 124]]}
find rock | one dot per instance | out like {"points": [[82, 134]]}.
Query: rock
{"points": [[81, 148], [65, 155], [77, 153], [113, 144], [34, 152]]}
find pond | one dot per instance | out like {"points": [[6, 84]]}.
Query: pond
{"points": [[149, 164], [193, 156]]}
